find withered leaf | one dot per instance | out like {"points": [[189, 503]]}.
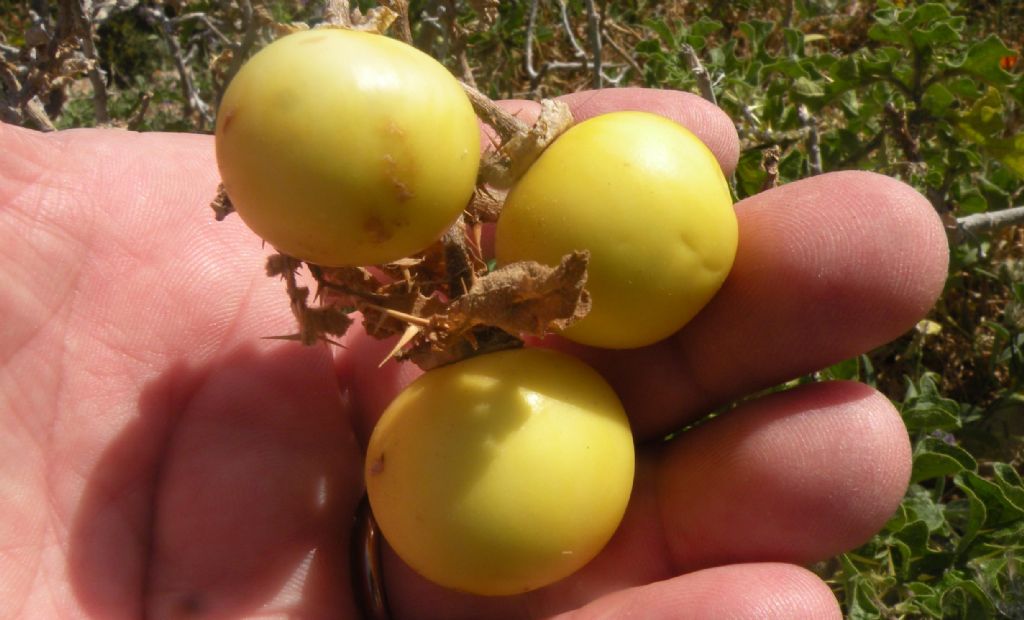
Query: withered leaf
{"points": [[525, 298], [314, 323], [221, 204], [345, 286], [427, 353], [443, 303]]}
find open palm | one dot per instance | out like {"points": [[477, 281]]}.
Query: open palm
{"points": [[160, 459]]}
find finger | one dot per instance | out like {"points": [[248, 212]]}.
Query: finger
{"points": [[795, 477], [826, 268], [755, 591]]}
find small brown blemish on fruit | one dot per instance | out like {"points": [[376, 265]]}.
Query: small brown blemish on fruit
{"points": [[402, 191], [394, 129], [394, 177], [378, 229], [228, 117], [377, 466]]}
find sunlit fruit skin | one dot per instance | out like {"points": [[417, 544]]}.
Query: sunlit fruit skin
{"points": [[346, 148], [649, 201], [501, 473]]}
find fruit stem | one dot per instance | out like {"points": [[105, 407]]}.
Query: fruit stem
{"points": [[338, 13], [507, 125]]}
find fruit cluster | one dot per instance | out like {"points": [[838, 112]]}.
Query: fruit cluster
{"points": [[503, 468]]}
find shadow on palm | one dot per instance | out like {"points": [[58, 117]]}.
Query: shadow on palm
{"points": [[229, 494]]}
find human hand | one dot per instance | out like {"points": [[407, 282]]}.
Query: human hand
{"points": [[166, 461]]}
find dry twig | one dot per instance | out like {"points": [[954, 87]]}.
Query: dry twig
{"points": [[986, 222], [700, 73], [770, 163], [813, 143]]}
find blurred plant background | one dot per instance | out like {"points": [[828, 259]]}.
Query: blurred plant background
{"points": [[928, 92]]}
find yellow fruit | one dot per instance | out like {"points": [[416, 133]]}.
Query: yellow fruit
{"points": [[346, 148], [501, 473], [649, 201]]}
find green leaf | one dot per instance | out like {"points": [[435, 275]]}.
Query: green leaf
{"points": [[805, 87], [788, 67], [756, 32], [984, 119], [968, 88], [902, 556], [889, 34], [794, 41], [750, 176], [964, 598], [982, 60], [860, 592], [924, 409], [1002, 506], [925, 14], [915, 536], [926, 597], [934, 458], [983, 125], [706, 26], [940, 34], [648, 46], [660, 28], [919, 505], [846, 370], [976, 515], [1010, 482], [937, 99], [1009, 152]]}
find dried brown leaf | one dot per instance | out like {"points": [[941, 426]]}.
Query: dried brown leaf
{"points": [[315, 324], [221, 204], [526, 297], [424, 270], [427, 353]]}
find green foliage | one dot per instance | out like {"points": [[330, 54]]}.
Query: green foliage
{"points": [[925, 96], [920, 100]]}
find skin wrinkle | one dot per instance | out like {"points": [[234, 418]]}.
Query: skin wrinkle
{"points": [[39, 288], [33, 565]]}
